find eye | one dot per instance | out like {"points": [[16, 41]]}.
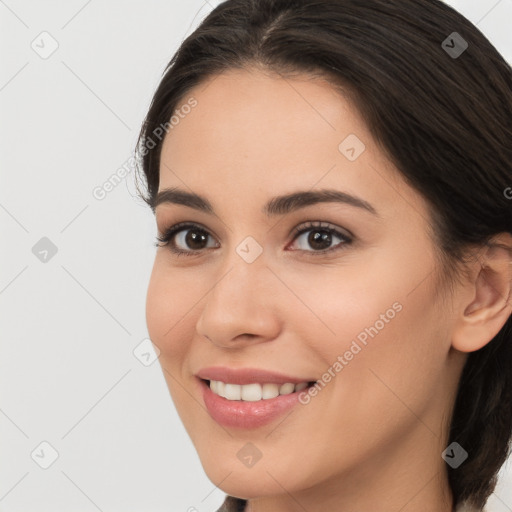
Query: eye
{"points": [[189, 239], [185, 239], [320, 238]]}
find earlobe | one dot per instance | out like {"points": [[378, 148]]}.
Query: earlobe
{"points": [[490, 290]]}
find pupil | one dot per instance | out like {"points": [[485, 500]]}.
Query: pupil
{"points": [[320, 239], [194, 240]]}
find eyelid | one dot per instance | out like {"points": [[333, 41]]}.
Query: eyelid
{"points": [[308, 225]]}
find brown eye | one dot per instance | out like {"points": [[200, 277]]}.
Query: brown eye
{"points": [[185, 239], [191, 239], [320, 238]]}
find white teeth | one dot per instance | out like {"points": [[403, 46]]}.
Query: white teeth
{"points": [[269, 391], [287, 388], [251, 392], [233, 391], [254, 392]]}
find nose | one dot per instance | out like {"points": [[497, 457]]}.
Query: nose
{"points": [[242, 307]]}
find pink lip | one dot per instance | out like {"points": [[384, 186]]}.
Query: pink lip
{"points": [[247, 376], [242, 414]]}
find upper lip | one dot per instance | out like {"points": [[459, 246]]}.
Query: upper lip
{"points": [[246, 376]]}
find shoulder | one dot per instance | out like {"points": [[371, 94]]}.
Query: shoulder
{"points": [[232, 504]]}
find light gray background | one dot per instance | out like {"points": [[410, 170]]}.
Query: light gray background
{"points": [[70, 325]]}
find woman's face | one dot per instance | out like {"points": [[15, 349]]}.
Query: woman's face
{"points": [[349, 302]]}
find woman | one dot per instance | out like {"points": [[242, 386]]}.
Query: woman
{"points": [[330, 293]]}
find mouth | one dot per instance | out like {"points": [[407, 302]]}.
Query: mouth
{"points": [[239, 412], [254, 392]]}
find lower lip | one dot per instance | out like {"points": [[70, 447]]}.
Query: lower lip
{"points": [[245, 414]]}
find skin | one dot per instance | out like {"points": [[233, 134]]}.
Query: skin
{"points": [[372, 438]]}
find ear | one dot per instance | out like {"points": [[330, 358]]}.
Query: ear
{"points": [[485, 303]]}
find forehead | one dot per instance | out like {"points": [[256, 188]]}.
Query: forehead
{"points": [[268, 133], [252, 109]]}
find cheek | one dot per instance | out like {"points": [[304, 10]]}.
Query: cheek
{"points": [[388, 377], [169, 318], [157, 308], [358, 300], [380, 317], [169, 300]]}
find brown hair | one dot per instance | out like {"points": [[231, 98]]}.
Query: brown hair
{"points": [[444, 120]]}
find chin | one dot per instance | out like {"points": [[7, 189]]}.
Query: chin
{"points": [[262, 479], [247, 488]]}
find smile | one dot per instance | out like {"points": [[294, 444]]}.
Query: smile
{"points": [[254, 392], [253, 411]]}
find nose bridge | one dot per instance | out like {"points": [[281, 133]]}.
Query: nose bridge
{"points": [[239, 301], [244, 268], [241, 283]]}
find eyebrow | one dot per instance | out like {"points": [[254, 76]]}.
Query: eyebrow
{"points": [[279, 205]]}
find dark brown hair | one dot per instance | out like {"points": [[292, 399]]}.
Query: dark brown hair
{"points": [[444, 120]]}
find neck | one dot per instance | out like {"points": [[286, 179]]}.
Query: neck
{"points": [[403, 478]]}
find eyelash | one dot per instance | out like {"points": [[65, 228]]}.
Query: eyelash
{"points": [[301, 229]]}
